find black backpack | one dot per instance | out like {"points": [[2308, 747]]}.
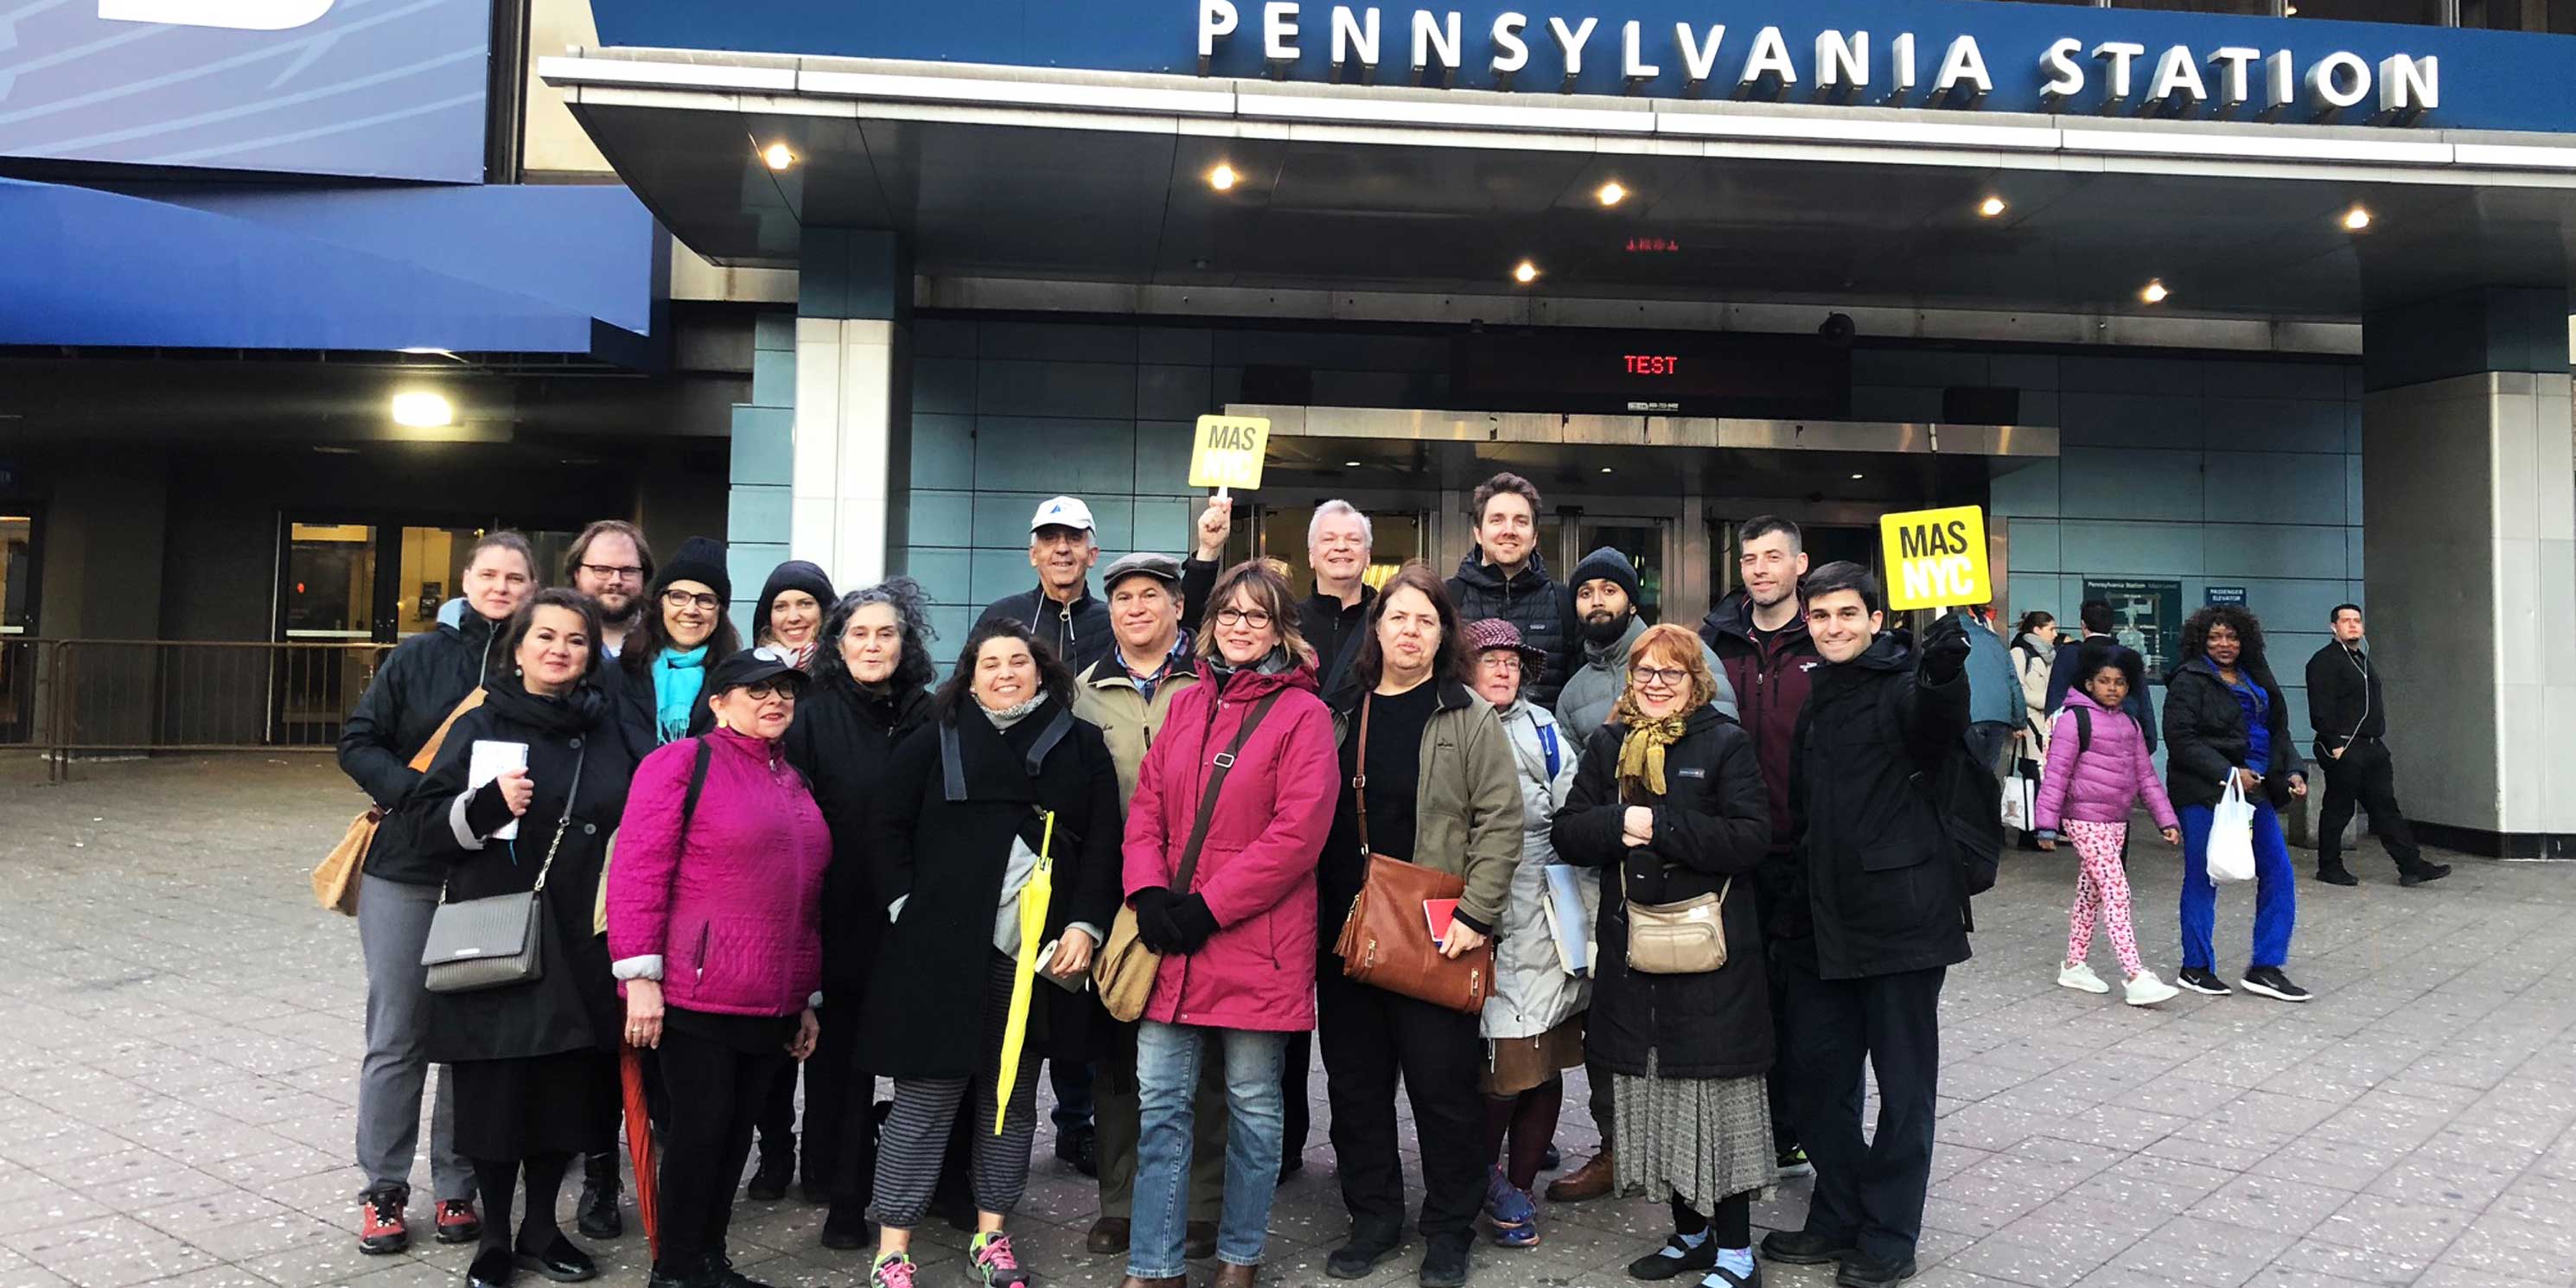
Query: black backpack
{"points": [[1970, 802]]}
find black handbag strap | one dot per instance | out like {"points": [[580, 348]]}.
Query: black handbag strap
{"points": [[1221, 766]]}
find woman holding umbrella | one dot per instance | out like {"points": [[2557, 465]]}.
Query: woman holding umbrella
{"points": [[1000, 826]]}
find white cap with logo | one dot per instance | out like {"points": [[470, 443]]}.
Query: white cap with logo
{"points": [[1062, 512]]}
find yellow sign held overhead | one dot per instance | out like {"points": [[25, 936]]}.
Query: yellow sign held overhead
{"points": [[1226, 451], [1935, 558]]}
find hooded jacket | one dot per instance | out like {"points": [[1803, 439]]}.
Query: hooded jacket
{"points": [[1882, 883], [1593, 690], [1530, 600], [1711, 834], [842, 740], [1771, 683], [729, 915], [2099, 781], [1256, 868], [577, 771], [413, 692], [2205, 736], [1532, 992], [2141, 705], [1079, 631]]}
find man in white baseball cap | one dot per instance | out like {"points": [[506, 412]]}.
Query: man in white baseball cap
{"points": [[1062, 611]]}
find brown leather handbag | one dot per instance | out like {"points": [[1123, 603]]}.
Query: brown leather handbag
{"points": [[1385, 942]]}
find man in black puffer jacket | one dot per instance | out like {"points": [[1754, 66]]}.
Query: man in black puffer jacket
{"points": [[1888, 903], [1504, 576]]}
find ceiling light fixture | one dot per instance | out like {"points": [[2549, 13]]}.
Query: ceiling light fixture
{"points": [[418, 409], [1525, 273], [1350, 465], [2356, 219], [2155, 292], [1858, 476], [1991, 207], [1223, 177], [777, 156], [1612, 193], [1605, 469]]}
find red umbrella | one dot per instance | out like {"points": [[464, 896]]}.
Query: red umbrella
{"points": [[639, 1145]]}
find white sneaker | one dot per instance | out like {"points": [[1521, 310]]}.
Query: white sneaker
{"points": [[2145, 989], [2081, 978]]}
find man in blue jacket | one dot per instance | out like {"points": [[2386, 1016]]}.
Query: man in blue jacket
{"points": [[1994, 692]]}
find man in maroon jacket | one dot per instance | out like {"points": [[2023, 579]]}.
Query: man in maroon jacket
{"points": [[1759, 634]]}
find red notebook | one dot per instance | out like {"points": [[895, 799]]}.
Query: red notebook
{"points": [[1439, 913]]}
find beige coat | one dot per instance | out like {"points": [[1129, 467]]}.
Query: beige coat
{"points": [[1466, 802], [1104, 695]]}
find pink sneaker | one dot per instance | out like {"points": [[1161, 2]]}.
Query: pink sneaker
{"points": [[993, 1259], [893, 1272]]}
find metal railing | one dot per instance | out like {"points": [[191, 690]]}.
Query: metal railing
{"points": [[73, 698]]}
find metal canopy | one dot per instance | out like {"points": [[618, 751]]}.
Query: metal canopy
{"points": [[1122, 197]]}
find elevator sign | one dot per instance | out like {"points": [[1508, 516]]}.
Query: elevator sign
{"points": [[1226, 451], [1935, 558]]}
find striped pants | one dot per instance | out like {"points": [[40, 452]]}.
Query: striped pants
{"points": [[914, 1141]]}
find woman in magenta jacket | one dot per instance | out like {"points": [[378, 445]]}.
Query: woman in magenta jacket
{"points": [[1238, 938], [715, 926], [2099, 768]]}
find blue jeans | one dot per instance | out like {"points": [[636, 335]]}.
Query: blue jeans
{"points": [[2276, 900], [1167, 1077]]}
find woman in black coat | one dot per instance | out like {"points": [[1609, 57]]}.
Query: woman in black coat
{"points": [[872, 674], [533, 1063], [964, 821], [2225, 719], [1670, 797]]}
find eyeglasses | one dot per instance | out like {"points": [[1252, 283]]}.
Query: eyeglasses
{"points": [[1667, 676], [764, 691], [1257, 619], [611, 572], [683, 598]]}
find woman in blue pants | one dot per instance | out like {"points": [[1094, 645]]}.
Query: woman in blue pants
{"points": [[2225, 718]]}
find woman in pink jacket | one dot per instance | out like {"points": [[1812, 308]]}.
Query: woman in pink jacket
{"points": [[715, 926], [2098, 767], [1237, 933]]}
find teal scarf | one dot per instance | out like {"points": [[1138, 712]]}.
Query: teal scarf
{"points": [[678, 678]]}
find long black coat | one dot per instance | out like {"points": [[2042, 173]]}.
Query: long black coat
{"points": [[2205, 737], [926, 1008], [1712, 827], [1883, 883], [843, 741], [631, 695], [573, 1004]]}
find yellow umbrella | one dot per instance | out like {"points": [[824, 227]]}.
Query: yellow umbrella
{"points": [[1034, 898]]}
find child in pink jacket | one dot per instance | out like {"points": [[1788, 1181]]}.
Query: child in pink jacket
{"points": [[2098, 767]]}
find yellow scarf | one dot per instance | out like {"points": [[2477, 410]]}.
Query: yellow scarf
{"points": [[1641, 753]]}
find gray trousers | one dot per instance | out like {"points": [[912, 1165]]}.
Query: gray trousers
{"points": [[393, 927]]}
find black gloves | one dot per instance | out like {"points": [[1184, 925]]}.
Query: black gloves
{"points": [[1153, 918], [1945, 655], [1192, 924], [486, 812]]}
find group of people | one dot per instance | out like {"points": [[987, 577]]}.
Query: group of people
{"points": [[2087, 723], [805, 855]]}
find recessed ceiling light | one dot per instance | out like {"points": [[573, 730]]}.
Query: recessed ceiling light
{"points": [[1858, 476], [777, 156], [2155, 292], [1991, 207], [1525, 273], [1223, 177], [1350, 465], [421, 410], [2356, 219], [1605, 469], [1611, 193]]}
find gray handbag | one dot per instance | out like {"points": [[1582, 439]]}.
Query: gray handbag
{"points": [[497, 941]]}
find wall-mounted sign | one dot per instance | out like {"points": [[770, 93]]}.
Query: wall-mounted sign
{"points": [[2225, 595], [2145, 615]]}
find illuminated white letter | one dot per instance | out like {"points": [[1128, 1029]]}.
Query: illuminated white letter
{"points": [[1699, 61], [1633, 66], [2234, 86], [1435, 38], [1901, 53], [1279, 31], [1965, 64], [1842, 60], [1770, 57], [2065, 75], [2407, 82], [1511, 53], [1572, 40], [2178, 75], [1217, 20], [2338, 66], [2280, 80], [2120, 53], [1350, 34]]}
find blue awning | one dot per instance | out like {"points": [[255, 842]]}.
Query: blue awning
{"points": [[534, 270]]}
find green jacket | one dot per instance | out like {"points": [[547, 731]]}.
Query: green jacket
{"points": [[1466, 802], [1105, 696]]}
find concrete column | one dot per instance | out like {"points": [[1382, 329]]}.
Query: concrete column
{"points": [[2469, 550], [850, 488]]}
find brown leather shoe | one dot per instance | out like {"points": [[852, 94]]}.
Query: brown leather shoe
{"points": [[1590, 1181], [1132, 1281], [1198, 1240], [1230, 1275], [1108, 1234]]}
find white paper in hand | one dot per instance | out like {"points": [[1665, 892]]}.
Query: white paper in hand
{"points": [[491, 759]]}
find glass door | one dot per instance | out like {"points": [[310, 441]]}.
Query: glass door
{"points": [[17, 623], [330, 582]]}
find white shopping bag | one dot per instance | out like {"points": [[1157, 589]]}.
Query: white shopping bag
{"points": [[2021, 804], [2231, 836]]}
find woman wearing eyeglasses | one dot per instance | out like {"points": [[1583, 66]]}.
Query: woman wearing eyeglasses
{"points": [[1669, 802], [685, 635], [715, 928]]}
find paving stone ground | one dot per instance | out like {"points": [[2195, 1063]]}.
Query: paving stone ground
{"points": [[179, 1035]]}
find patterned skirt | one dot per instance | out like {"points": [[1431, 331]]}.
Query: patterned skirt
{"points": [[1701, 1138]]}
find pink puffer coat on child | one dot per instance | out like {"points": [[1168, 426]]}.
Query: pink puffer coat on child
{"points": [[2100, 782]]}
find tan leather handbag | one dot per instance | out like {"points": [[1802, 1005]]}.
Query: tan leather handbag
{"points": [[335, 879], [1124, 971], [1684, 938], [1385, 943]]}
